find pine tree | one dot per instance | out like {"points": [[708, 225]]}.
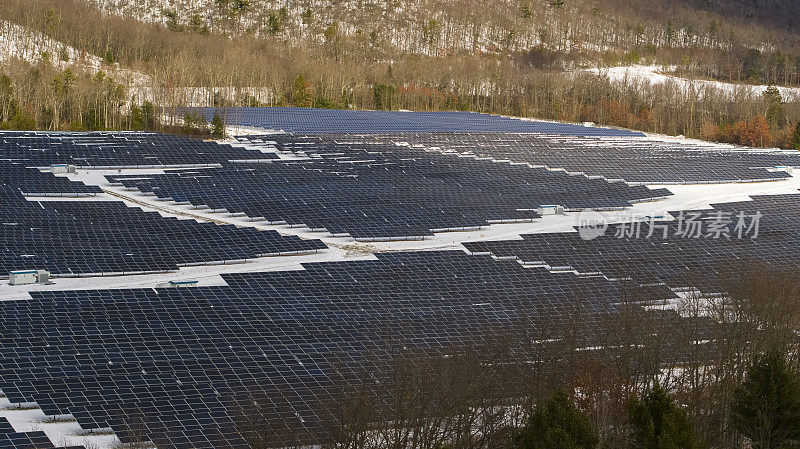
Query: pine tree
{"points": [[149, 115], [197, 24], [300, 95], [384, 96], [526, 10], [796, 137], [672, 34], [766, 406], [307, 16], [776, 114], [136, 118], [659, 424], [172, 20], [557, 424], [217, 126]]}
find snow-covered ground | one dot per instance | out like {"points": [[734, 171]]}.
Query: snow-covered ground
{"points": [[21, 43], [63, 431], [660, 75]]}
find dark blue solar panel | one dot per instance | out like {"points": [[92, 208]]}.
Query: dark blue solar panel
{"points": [[30, 181], [72, 237], [378, 190], [631, 160], [115, 149], [9, 439], [178, 361], [310, 120], [84, 237], [678, 260]]}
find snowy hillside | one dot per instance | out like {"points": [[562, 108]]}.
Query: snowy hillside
{"points": [[17, 42], [430, 27], [657, 75]]}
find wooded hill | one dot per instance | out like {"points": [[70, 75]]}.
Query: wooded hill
{"points": [[520, 57]]}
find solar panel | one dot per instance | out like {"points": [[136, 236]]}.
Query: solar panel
{"points": [[105, 237], [668, 255], [9, 439], [636, 161], [182, 359], [173, 365], [116, 149], [311, 120], [377, 191]]}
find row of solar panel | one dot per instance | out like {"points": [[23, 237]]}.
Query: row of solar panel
{"points": [[694, 250], [31, 181], [382, 191], [185, 359], [310, 120], [66, 237], [632, 160], [116, 149], [10, 439]]}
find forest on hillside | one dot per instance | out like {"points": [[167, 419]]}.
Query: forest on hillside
{"points": [[124, 64]]}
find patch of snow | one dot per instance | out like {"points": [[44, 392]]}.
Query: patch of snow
{"points": [[63, 431], [656, 75]]}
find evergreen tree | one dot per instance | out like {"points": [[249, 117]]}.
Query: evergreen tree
{"points": [[273, 24], [672, 33], [217, 126], [172, 20], [557, 424], [796, 137], [21, 121], [766, 406], [197, 24], [384, 96], [149, 115], [109, 57], [776, 114], [300, 95], [307, 16], [659, 424], [136, 118], [526, 11]]}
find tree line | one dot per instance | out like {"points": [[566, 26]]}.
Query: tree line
{"points": [[42, 97], [183, 66]]}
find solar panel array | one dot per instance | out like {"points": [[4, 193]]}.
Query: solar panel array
{"points": [[82, 237], [686, 257], [631, 160], [183, 358], [73, 237], [311, 120], [173, 365], [375, 191], [31, 181], [9, 439], [115, 149]]}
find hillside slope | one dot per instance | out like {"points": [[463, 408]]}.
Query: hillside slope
{"points": [[516, 57], [439, 27]]}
